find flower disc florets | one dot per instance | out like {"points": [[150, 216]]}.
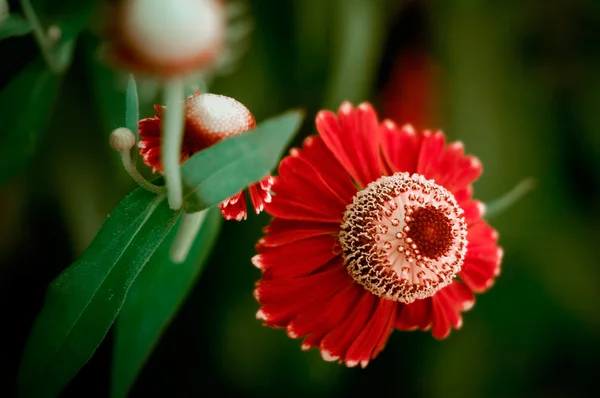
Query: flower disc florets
{"points": [[403, 237]]}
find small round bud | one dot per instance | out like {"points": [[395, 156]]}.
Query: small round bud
{"points": [[54, 33], [122, 139]]}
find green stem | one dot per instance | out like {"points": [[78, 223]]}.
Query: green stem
{"points": [[40, 35], [137, 177], [186, 234], [508, 199], [172, 135]]}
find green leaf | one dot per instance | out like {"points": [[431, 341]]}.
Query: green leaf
{"points": [[26, 105], [154, 299], [82, 303], [132, 107], [213, 175], [14, 25]]}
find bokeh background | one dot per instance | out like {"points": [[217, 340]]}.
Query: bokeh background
{"points": [[518, 81]]}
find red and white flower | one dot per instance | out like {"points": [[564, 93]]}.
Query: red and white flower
{"points": [[374, 229], [209, 119]]}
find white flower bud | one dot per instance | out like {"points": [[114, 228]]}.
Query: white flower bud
{"points": [[122, 139], [174, 35]]}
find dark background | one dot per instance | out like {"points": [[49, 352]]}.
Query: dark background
{"points": [[518, 81]]}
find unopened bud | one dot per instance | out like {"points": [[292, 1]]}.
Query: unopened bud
{"points": [[170, 37], [122, 139], [54, 34], [213, 118]]}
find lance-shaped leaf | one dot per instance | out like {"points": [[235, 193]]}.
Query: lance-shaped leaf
{"points": [[14, 25], [213, 175], [153, 301], [82, 303], [26, 105]]}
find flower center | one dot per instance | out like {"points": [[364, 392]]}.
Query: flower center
{"points": [[403, 237]]}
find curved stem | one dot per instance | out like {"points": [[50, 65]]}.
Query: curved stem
{"points": [[172, 136], [137, 177], [508, 199], [40, 35], [186, 234]]}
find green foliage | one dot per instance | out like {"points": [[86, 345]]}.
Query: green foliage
{"points": [[26, 105], [14, 25], [153, 301], [82, 303], [85, 299]]}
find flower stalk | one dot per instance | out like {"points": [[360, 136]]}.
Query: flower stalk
{"points": [[172, 136], [45, 41], [135, 174], [122, 140], [499, 205], [186, 234]]}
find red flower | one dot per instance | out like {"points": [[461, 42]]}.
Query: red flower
{"points": [[374, 228], [409, 94], [209, 118]]}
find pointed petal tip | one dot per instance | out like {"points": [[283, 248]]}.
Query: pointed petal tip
{"points": [[346, 107], [261, 315], [328, 356], [257, 261]]}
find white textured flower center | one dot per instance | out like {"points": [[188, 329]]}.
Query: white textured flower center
{"points": [[403, 237], [172, 30], [213, 114]]}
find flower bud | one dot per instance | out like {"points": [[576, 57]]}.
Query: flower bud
{"points": [[122, 139], [167, 37]]}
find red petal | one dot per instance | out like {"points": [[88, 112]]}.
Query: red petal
{"points": [[374, 335], [295, 259], [149, 130], [353, 138], [285, 298], [431, 149], [259, 193], [400, 147], [416, 315], [448, 303], [482, 262], [328, 313], [234, 208], [335, 344], [289, 207], [149, 127], [464, 194], [281, 232], [299, 182], [473, 209], [453, 169], [440, 312], [329, 169]]}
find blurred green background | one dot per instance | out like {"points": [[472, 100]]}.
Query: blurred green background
{"points": [[517, 81]]}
